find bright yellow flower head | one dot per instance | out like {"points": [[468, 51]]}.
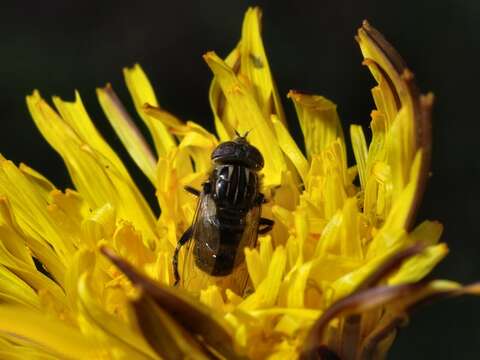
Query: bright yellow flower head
{"points": [[87, 273]]}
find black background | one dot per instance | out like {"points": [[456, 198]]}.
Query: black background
{"points": [[59, 46]]}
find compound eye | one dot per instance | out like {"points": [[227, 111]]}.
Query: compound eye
{"points": [[240, 152], [255, 158]]}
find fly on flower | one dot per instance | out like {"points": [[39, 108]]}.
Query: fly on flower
{"points": [[335, 279], [227, 219]]}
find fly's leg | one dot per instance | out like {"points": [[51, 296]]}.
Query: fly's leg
{"points": [[192, 190], [264, 225], [260, 200], [187, 235], [206, 189], [267, 225]]}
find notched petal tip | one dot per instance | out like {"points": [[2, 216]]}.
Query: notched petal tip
{"points": [[133, 67], [210, 55], [107, 87]]}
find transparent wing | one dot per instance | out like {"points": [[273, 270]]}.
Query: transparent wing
{"points": [[239, 278], [207, 235], [191, 277]]}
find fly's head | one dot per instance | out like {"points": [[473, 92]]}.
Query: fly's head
{"points": [[238, 151]]}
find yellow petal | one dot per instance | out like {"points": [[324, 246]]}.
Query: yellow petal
{"points": [[401, 214], [55, 336], [127, 131], [341, 235], [297, 285], [200, 147], [19, 267], [100, 224], [39, 248], [331, 267], [192, 315], [75, 116], [240, 98], [112, 328], [29, 208], [267, 292], [254, 66], [406, 113], [351, 243], [290, 148], [142, 93], [88, 166], [14, 290], [319, 121], [212, 297], [415, 268], [225, 121], [257, 260], [12, 350], [128, 243], [359, 145], [34, 176], [428, 233]]}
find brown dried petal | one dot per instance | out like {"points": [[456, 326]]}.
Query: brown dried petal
{"points": [[390, 265], [400, 299], [402, 83], [166, 337], [356, 304], [193, 316]]}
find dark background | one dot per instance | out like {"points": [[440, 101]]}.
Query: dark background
{"points": [[59, 46]]}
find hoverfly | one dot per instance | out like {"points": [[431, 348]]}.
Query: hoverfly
{"points": [[227, 220]]}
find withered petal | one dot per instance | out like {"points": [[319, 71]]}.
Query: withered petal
{"points": [[397, 319], [166, 337], [421, 104], [400, 299], [352, 323], [382, 330], [355, 304], [193, 316], [390, 265]]}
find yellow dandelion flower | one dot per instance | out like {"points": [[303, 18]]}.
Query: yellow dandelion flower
{"points": [[87, 273]]}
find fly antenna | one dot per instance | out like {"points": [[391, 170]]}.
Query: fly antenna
{"points": [[246, 133], [244, 136]]}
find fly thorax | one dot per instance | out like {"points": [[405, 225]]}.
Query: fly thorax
{"points": [[234, 187]]}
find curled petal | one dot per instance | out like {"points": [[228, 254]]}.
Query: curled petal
{"points": [[399, 300], [404, 112]]}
